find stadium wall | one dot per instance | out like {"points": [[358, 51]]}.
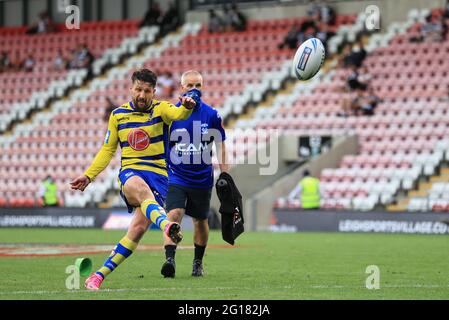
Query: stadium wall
{"points": [[20, 12], [362, 222], [259, 206], [260, 191], [390, 11]]}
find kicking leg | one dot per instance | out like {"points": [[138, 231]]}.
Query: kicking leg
{"points": [[139, 194], [123, 249]]}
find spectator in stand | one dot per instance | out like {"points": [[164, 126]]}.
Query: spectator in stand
{"points": [[170, 20], [365, 76], [358, 78], [353, 55], [364, 103], [433, 30], [238, 19], [216, 23], [325, 13], [153, 16], [291, 39], [59, 63], [308, 29], [227, 18], [29, 63], [82, 58], [324, 34], [346, 58], [5, 62], [17, 63], [367, 102], [44, 25], [109, 108], [359, 53]]}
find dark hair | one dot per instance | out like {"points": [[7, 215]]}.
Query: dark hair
{"points": [[145, 75], [306, 173]]}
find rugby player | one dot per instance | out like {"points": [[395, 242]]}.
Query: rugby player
{"points": [[141, 127]]}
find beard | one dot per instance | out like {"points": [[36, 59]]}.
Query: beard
{"points": [[141, 104]]}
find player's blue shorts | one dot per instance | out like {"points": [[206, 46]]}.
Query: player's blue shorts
{"points": [[157, 183]]}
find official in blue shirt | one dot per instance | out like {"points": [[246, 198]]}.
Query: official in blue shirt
{"points": [[191, 175]]}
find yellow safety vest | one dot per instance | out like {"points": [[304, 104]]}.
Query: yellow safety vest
{"points": [[310, 193], [51, 194]]}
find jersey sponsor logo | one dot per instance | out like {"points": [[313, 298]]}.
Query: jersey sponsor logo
{"points": [[138, 139], [304, 58], [124, 118], [191, 148]]}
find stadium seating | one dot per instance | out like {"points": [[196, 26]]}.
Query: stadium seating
{"points": [[66, 139], [25, 91], [399, 143], [63, 141]]}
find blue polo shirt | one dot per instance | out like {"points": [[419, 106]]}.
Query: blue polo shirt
{"points": [[190, 148]]}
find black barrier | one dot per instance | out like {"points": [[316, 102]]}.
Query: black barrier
{"points": [[347, 221]]}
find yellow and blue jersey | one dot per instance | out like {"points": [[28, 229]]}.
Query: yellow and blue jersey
{"points": [[142, 136]]}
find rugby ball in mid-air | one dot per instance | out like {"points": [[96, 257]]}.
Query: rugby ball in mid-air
{"points": [[308, 59]]}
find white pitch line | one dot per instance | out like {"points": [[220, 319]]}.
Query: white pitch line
{"points": [[44, 292]]}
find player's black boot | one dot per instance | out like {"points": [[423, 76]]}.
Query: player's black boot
{"points": [[168, 268], [197, 270]]}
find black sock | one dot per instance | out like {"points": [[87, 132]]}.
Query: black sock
{"points": [[170, 251], [199, 252]]}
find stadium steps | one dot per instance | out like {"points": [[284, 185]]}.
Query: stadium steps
{"points": [[442, 177], [287, 84], [402, 205]]}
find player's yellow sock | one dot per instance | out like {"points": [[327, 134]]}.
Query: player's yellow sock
{"points": [[122, 250], [153, 211]]}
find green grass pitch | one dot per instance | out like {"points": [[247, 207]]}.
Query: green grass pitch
{"points": [[262, 265]]}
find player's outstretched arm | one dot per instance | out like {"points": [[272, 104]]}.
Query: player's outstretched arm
{"points": [[187, 102], [172, 113]]}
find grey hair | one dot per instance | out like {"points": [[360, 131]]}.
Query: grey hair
{"points": [[185, 74]]}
